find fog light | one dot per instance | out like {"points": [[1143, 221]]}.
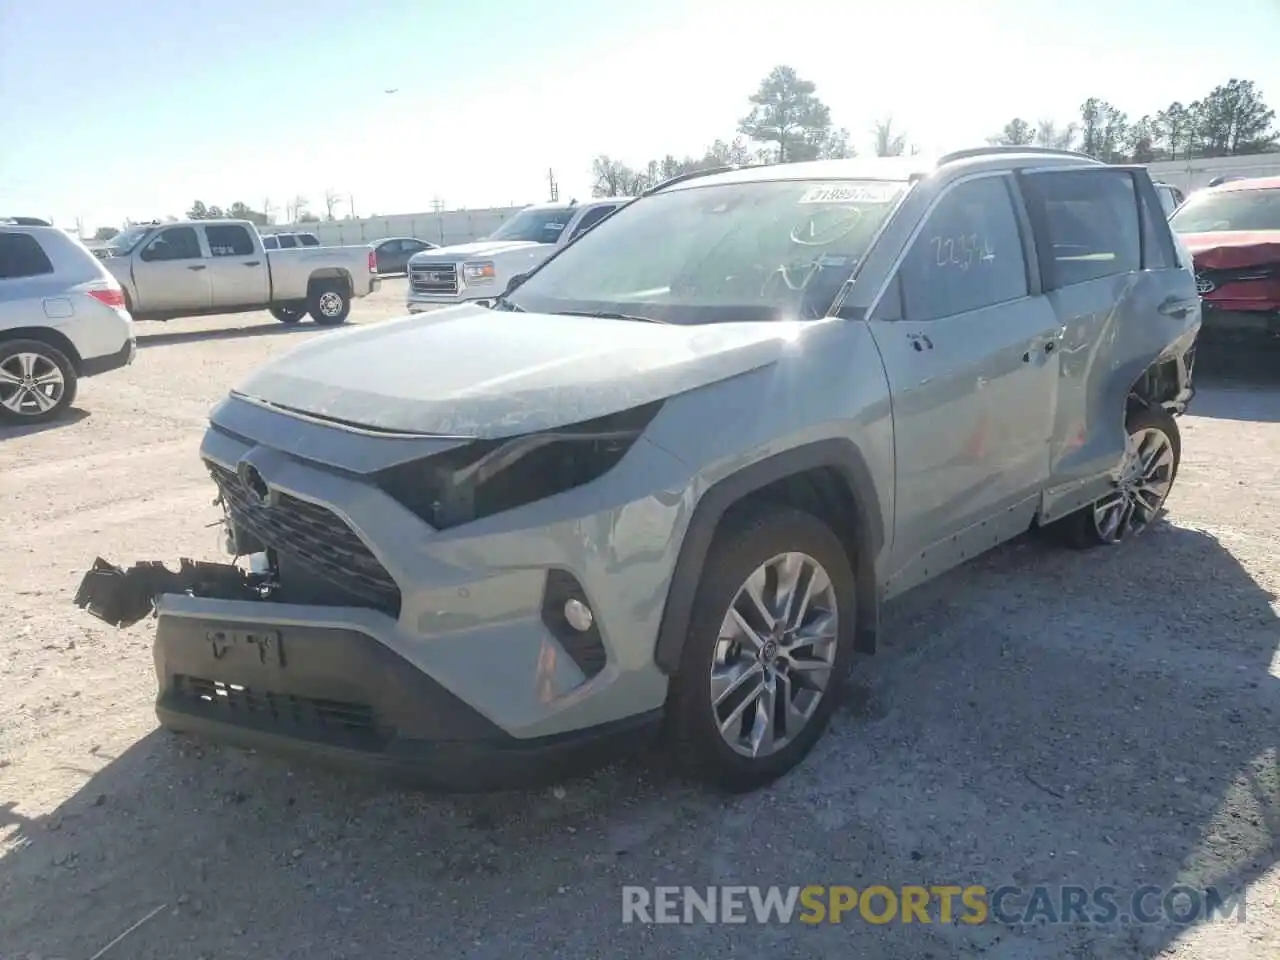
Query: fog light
{"points": [[578, 615]]}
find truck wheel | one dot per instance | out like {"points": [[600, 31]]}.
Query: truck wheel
{"points": [[329, 303], [769, 643], [288, 312], [1150, 465], [37, 382]]}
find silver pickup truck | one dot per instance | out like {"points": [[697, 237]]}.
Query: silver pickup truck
{"points": [[203, 267]]}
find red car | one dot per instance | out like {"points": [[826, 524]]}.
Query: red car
{"points": [[1233, 234]]}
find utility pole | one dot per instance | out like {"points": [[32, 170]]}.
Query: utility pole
{"points": [[437, 207], [351, 205], [555, 187]]}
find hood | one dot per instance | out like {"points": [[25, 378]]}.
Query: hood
{"points": [[468, 371], [481, 248], [1226, 250]]}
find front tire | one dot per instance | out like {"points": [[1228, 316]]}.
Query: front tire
{"points": [[37, 382], [770, 639], [1152, 454], [329, 303]]}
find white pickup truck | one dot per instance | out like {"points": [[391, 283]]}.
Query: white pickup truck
{"points": [[481, 270], [203, 267]]}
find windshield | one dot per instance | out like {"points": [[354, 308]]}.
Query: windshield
{"points": [[1229, 211], [778, 250], [538, 226], [123, 243]]}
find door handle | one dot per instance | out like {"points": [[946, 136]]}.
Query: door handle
{"points": [[1050, 345], [252, 263], [196, 266], [1173, 307]]}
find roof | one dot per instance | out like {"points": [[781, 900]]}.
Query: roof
{"points": [[1248, 183], [901, 169]]}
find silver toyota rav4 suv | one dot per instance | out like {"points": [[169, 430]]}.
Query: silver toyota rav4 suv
{"points": [[665, 483]]}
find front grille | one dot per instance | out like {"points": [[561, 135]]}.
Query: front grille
{"points": [[434, 278], [315, 538], [333, 721], [1215, 279]]}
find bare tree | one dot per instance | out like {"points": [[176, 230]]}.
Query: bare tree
{"points": [[888, 143], [331, 200], [295, 208], [1049, 134]]}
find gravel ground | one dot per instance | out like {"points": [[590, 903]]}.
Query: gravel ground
{"points": [[1040, 716]]}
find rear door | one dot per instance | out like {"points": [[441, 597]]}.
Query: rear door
{"points": [[1112, 274], [171, 272], [969, 348], [238, 271]]}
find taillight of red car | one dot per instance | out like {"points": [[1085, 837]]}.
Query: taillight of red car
{"points": [[111, 298]]}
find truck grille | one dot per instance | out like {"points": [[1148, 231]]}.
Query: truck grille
{"points": [[434, 278], [313, 537]]}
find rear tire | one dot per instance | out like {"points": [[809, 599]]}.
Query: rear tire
{"points": [[329, 303], [288, 312], [1150, 466], [731, 739], [37, 382]]}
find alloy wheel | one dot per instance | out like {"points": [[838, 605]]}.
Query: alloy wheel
{"points": [[30, 384], [774, 655], [1143, 483]]}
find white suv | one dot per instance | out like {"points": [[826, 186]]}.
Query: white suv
{"points": [[62, 317]]}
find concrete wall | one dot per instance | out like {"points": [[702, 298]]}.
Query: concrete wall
{"points": [[449, 227], [1188, 175]]}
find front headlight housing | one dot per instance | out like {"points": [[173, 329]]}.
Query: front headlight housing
{"points": [[487, 477], [476, 274]]}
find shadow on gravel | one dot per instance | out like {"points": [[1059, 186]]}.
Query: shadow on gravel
{"points": [[1040, 717], [72, 415], [166, 338]]}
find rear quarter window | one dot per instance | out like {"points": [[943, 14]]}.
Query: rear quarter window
{"points": [[22, 256]]}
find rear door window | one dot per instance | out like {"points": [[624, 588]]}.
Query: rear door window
{"points": [[309, 239], [1090, 223], [22, 256], [968, 256], [229, 240]]}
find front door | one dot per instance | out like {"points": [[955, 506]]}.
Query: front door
{"points": [[238, 272], [171, 273], [970, 350]]}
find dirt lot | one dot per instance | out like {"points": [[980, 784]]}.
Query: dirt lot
{"points": [[1038, 717]]}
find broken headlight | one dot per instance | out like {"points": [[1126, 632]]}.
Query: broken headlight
{"points": [[486, 477]]}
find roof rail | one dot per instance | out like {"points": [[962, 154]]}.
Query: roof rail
{"points": [[26, 221], [996, 151], [688, 175]]}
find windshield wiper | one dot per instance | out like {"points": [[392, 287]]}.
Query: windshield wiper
{"points": [[604, 315], [502, 303]]}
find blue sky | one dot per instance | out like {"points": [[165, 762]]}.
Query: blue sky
{"points": [[135, 108]]}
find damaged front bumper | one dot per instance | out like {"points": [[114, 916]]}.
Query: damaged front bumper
{"points": [[234, 666]]}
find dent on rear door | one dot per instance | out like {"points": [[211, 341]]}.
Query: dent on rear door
{"points": [[1113, 331]]}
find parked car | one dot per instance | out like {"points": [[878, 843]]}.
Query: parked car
{"points": [[289, 241], [204, 267], [669, 479], [482, 270], [1170, 197], [62, 318], [393, 253], [1233, 233]]}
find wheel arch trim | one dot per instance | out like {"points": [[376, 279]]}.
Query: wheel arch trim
{"points": [[840, 455]]}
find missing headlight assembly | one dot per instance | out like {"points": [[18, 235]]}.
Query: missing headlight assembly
{"points": [[487, 477]]}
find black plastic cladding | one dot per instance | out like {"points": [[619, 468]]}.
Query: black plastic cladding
{"points": [[584, 647], [574, 455]]}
